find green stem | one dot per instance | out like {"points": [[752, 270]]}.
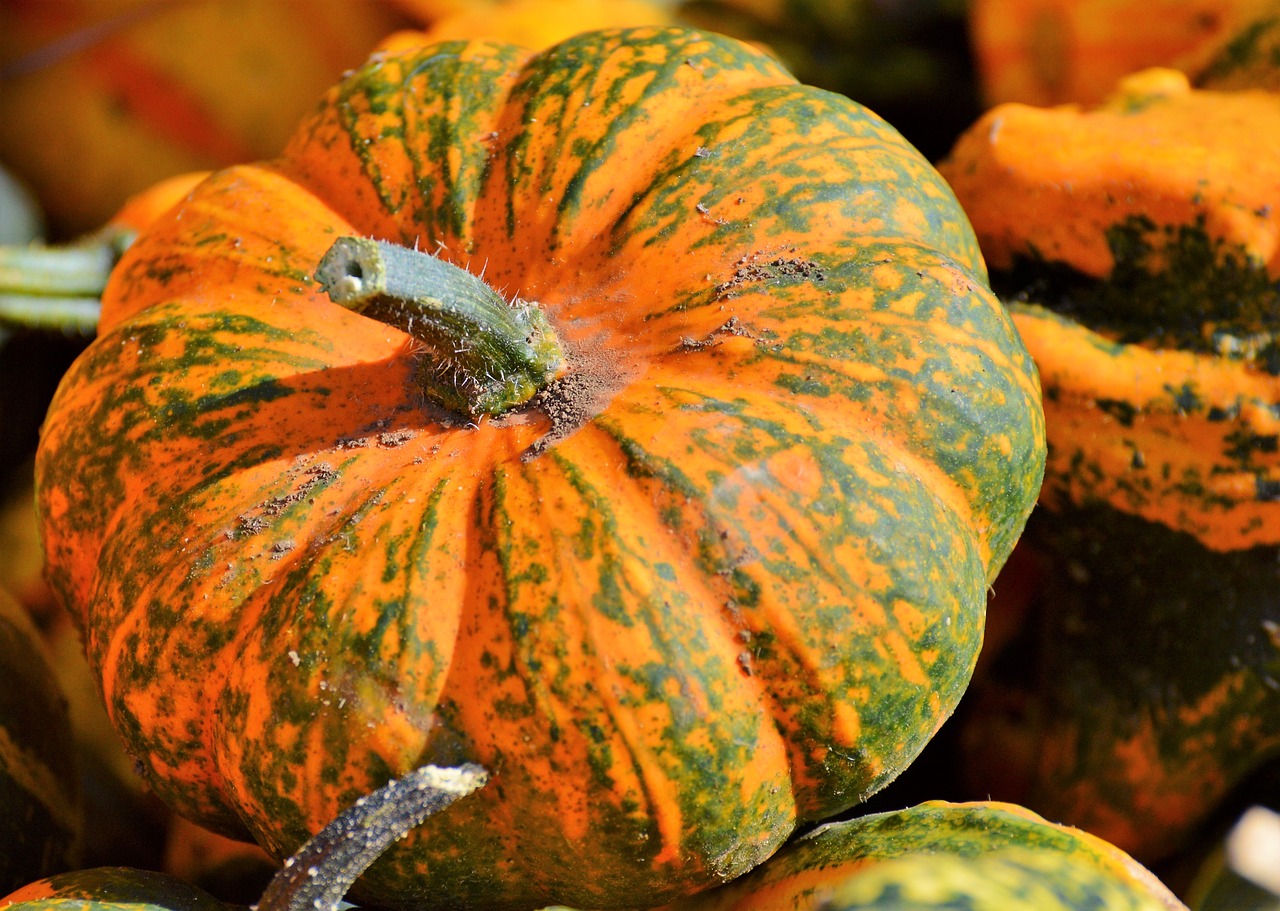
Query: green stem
{"points": [[482, 354], [318, 876], [58, 287]]}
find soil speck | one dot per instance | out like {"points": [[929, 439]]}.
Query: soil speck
{"points": [[766, 268], [577, 396]]}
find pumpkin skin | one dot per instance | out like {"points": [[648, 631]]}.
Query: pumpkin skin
{"points": [[741, 595], [40, 814], [1168, 411], [983, 856], [1150, 690]]}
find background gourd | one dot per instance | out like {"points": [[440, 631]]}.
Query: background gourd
{"points": [[1141, 267]]}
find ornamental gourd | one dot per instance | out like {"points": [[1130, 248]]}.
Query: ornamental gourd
{"points": [[722, 574], [1139, 245]]}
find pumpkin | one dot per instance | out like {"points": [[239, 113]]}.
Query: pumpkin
{"points": [[1141, 265], [40, 814], [315, 878], [102, 98], [722, 574], [982, 856], [1046, 52]]}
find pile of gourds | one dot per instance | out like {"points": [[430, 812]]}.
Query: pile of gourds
{"points": [[628, 447]]}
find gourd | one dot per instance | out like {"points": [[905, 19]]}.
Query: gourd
{"points": [[722, 575], [984, 856], [1137, 246], [40, 814]]}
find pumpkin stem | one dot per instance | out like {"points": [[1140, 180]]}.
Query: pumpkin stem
{"points": [[59, 287], [483, 355], [318, 876]]}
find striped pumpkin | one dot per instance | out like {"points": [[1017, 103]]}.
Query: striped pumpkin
{"points": [[980, 856], [1139, 243], [722, 575]]}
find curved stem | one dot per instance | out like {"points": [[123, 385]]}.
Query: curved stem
{"points": [[482, 355], [58, 287], [318, 876]]}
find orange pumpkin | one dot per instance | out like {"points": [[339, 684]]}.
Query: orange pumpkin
{"points": [[724, 573]]}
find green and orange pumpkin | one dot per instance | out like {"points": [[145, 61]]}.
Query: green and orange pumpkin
{"points": [[722, 575], [1138, 244], [979, 856]]}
